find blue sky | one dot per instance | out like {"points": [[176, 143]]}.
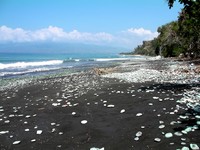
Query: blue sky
{"points": [[124, 23]]}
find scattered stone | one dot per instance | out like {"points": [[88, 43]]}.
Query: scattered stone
{"points": [[183, 143], [16, 142], [178, 134], [94, 148], [111, 106], [7, 121], [138, 134], [161, 126], [185, 148], [194, 146], [27, 130], [150, 104], [39, 132], [136, 138], [155, 97], [157, 139], [168, 135], [122, 111], [197, 117], [73, 113], [33, 140], [139, 114], [53, 123], [3, 132], [83, 121]]}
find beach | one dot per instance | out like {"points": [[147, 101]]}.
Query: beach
{"points": [[137, 105]]}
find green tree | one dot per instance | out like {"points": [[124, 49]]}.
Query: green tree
{"points": [[189, 25]]}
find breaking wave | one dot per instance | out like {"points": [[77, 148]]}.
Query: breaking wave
{"points": [[30, 64]]}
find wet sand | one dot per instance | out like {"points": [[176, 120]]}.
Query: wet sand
{"points": [[84, 111]]}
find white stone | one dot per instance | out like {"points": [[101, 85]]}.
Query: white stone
{"points": [[83, 121], [155, 97], [161, 126], [194, 146], [157, 139], [16, 142], [39, 131], [138, 134], [27, 130], [94, 148], [178, 134], [168, 135], [136, 138], [7, 121], [33, 140], [3, 132], [139, 114], [73, 113], [185, 148], [122, 111], [53, 123], [111, 106], [55, 104]]}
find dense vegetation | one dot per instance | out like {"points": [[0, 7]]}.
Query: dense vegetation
{"points": [[177, 37]]}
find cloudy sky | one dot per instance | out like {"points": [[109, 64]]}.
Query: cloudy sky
{"points": [[122, 23]]}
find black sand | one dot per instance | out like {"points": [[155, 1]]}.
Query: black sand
{"points": [[48, 104]]}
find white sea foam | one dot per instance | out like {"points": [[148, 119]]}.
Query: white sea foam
{"points": [[29, 64], [26, 72], [111, 59]]}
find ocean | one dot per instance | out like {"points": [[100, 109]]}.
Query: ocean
{"points": [[14, 65]]}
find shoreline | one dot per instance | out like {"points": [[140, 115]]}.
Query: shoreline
{"points": [[87, 110]]}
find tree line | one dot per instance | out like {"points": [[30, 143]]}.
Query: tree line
{"points": [[181, 37]]}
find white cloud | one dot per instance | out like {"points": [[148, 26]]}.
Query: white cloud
{"points": [[17, 35], [129, 38], [146, 34]]}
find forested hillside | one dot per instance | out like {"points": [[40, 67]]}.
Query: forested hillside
{"points": [[177, 37]]}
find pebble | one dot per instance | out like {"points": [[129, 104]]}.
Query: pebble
{"points": [[161, 126], [198, 122], [157, 139], [178, 134], [83, 121], [122, 111], [168, 135], [197, 117], [16, 142], [138, 134], [39, 131], [139, 114], [183, 143], [150, 104], [33, 140], [155, 97], [73, 113], [185, 148], [53, 123], [94, 148], [111, 106], [136, 138], [26, 130], [7, 121], [3, 132], [194, 146]]}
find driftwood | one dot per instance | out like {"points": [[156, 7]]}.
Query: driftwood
{"points": [[101, 71]]}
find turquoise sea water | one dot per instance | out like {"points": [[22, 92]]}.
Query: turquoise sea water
{"points": [[26, 64]]}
